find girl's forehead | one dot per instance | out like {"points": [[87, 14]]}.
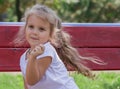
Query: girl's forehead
{"points": [[37, 19]]}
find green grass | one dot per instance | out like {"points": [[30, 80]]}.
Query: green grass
{"points": [[103, 80], [11, 81]]}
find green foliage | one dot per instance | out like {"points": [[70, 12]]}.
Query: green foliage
{"points": [[1, 1], [3, 6], [89, 11], [68, 10]]}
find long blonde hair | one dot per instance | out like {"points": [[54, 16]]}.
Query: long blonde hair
{"points": [[59, 39]]}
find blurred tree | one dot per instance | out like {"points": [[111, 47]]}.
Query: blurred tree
{"points": [[88, 10], [3, 8], [68, 10], [18, 11]]}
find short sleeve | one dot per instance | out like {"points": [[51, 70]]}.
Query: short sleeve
{"points": [[49, 51]]}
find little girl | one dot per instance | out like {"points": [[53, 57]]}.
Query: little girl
{"points": [[43, 64]]}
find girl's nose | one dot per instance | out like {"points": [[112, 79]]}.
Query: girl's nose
{"points": [[35, 31]]}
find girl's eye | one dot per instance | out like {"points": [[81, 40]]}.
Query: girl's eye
{"points": [[30, 26], [41, 29]]}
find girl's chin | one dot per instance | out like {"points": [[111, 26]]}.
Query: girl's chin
{"points": [[33, 45], [36, 44]]}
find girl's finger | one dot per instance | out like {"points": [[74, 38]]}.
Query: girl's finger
{"points": [[42, 47]]}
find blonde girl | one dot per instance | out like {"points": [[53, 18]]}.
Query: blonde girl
{"points": [[44, 64]]}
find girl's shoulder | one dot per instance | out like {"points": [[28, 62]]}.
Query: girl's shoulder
{"points": [[24, 53], [48, 46], [23, 56], [48, 51]]}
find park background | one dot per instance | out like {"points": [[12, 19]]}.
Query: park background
{"points": [[82, 11], [72, 11]]}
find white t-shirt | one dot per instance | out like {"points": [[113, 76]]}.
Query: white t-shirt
{"points": [[56, 76]]}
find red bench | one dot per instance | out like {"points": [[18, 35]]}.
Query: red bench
{"points": [[100, 39]]}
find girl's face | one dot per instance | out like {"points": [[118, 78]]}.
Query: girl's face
{"points": [[37, 31]]}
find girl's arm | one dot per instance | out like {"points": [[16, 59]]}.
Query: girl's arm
{"points": [[36, 69], [25, 85]]}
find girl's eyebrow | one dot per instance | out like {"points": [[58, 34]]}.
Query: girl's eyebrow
{"points": [[29, 23], [41, 26]]}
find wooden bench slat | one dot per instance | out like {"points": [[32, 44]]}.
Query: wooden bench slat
{"points": [[9, 68], [9, 58], [81, 36], [111, 56], [95, 36], [7, 34]]}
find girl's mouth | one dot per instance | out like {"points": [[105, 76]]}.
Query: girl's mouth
{"points": [[33, 38]]}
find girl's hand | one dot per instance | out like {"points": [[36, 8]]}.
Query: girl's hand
{"points": [[38, 50]]}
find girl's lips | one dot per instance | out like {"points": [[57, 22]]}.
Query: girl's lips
{"points": [[33, 38]]}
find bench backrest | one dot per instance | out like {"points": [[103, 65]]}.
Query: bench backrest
{"points": [[102, 40]]}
